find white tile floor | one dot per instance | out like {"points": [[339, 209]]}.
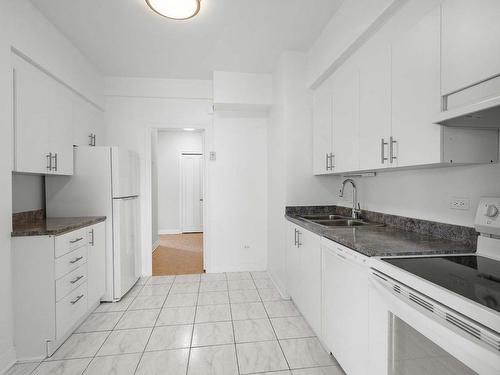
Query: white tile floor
{"points": [[209, 324]]}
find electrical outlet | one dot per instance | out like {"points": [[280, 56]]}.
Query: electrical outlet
{"points": [[460, 203], [246, 247]]}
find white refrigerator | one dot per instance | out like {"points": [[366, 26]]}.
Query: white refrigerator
{"points": [[105, 183]]}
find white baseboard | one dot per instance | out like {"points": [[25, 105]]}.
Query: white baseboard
{"points": [[281, 288], [169, 231], [7, 360]]}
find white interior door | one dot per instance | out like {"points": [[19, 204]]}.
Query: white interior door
{"points": [[192, 193]]}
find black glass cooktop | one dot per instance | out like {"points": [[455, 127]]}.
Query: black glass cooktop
{"points": [[471, 276]]}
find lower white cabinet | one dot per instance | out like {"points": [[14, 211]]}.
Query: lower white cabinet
{"points": [[57, 282], [303, 276], [345, 316]]}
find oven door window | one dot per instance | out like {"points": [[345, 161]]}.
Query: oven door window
{"points": [[414, 354]]}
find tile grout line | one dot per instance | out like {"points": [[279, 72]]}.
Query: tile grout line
{"points": [[152, 329], [234, 334], [192, 330]]}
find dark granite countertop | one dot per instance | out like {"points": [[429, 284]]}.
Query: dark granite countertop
{"points": [[54, 226], [385, 240]]}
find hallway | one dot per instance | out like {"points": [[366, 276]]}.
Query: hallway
{"points": [[179, 254]]}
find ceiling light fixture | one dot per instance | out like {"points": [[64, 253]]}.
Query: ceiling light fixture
{"points": [[175, 9]]}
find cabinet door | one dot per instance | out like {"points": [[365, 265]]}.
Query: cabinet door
{"points": [[292, 263], [416, 93], [322, 128], [96, 263], [61, 128], [375, 108], [471, 36], [31, 118], [87, 120], [346, 119], [310, 278]]}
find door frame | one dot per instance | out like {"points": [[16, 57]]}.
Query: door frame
{"points": [[146, 200], [181, 194]]}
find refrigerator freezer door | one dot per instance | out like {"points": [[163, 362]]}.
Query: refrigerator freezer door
{"points": [[125, 166], [125, 244]]}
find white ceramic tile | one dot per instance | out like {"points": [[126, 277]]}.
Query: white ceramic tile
{"points": [[306, 352], [284, 372], [67, 367], [170, 337], [134, 291], [328, 370], [155, 290], [213, 298], [213, 286], [138, 319], [218, 333], [100, 322], [248, 310], [253, 330], [80, 345], [241, 285], [180, 300], [213, 276], [126, 341], [240, 296], [115, 364], [212, 313], [189, 287], [264, 284], [115, 306], [147, 302], [256, 275], [176, 315], [22, 368], [143, 280], [257, 357], [156, 280], [270, 295], [278, 309], [213, 360], [187, 278], [238, 276], [292, 327], [171, 362]]}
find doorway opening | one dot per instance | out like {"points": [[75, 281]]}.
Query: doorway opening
{"points": [[177, 165]]}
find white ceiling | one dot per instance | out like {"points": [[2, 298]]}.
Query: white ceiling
{"points": [[125, 38]]}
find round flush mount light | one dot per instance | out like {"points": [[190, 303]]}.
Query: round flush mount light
{"points": [[175, 9]]}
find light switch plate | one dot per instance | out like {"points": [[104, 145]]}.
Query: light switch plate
{"points": [[457, 203]]}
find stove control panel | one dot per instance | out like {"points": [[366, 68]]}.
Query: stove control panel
{"points": [[488, 216]]}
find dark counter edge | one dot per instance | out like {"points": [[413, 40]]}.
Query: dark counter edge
{"points": [[42, 230], [465, 236]]}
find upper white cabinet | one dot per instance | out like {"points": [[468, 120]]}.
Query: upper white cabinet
{"points": [[87, 123], [324, 155], [470, 40], [375, 108], [346, 119], [416, 94], [42, 122]]}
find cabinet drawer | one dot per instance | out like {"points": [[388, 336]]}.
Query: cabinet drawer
{"points": [[70, 241], [71, 281], [70, 262], [70, 309]]}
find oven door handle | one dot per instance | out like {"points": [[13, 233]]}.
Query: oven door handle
{"points": [[471, 351]]}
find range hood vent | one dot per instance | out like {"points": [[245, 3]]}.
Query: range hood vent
{"points": [[484, 114]]}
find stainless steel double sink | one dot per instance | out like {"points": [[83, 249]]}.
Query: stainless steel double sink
{"points": [[337, 221]]}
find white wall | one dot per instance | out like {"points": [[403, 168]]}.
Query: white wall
{"points": [[171, 144], [23, 27], [155, 238], [290, 143], [27, 193], [130, 118]]}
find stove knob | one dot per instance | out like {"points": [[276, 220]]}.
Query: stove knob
{"points": [[491, 211]]}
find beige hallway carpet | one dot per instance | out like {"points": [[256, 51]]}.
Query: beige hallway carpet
{"points": [[179, 254]]}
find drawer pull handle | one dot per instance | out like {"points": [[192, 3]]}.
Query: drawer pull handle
{"points": [[76, 260], [76, 240], [76, 280], [77, 299]]}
